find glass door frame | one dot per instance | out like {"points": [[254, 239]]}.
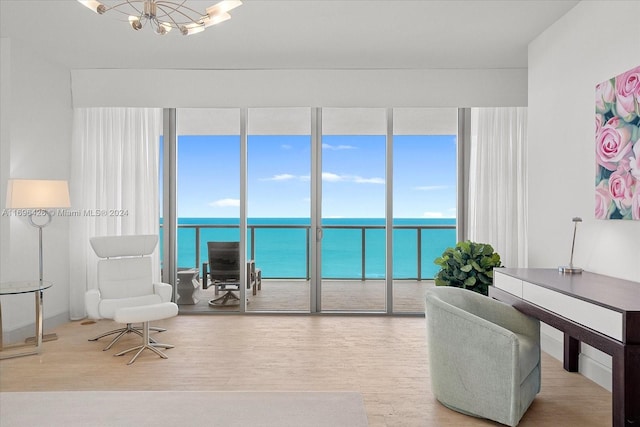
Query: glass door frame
{"points": [[316, 220], [315, 243]]}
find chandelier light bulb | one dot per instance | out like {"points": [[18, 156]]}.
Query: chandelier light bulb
{"points": [[163, 28], [222, 7], [94, 5], [163, 15], [135, 23], [213, 20], [190, 29]]}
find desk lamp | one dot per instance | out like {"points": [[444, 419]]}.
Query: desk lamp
{"points": [[570, 269]]}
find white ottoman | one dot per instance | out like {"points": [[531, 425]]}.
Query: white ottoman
{"points": [[145, 314]]}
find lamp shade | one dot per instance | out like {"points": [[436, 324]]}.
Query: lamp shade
{"points": [[37, 194]]}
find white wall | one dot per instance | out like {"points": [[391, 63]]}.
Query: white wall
{"points": [[593, 42], [300, 88], [5, 126], [35, 143]]}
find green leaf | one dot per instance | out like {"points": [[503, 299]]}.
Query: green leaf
{"points": [[487, 250], [471, 281], [477, 250], [465, 246], [485, 262], [485, 279], [440, 282], [466, 268]]}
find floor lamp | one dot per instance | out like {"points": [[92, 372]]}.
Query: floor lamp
{"points": [[34, 199]]}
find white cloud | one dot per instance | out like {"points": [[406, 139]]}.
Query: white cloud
{"points": [[331, 177], [286, 147], [431, 187], [361, 180], [334, 177], [328, 177], [225, 203], [337, 147], [280, 177]]}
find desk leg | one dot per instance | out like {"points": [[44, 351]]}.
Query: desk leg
{"points": [[571, 353], [626, 386]]}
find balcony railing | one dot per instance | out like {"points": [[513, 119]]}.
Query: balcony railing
{"points": [[410, 241]]}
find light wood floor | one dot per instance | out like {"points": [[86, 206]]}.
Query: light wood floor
{"points": [[384, 358]]}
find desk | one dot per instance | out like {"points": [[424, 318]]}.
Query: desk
{"points": [[598, 310], [12, 288]]}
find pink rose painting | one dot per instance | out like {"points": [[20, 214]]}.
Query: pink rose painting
{"points": [[618, 147]]}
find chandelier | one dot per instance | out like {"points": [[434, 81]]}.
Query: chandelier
{"points": [[162, 15]]}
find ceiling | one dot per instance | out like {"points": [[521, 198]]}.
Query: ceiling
{"points": [[293, 34]]}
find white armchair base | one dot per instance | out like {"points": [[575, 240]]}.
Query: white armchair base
{"points": [[145, 314], [123, 331]]}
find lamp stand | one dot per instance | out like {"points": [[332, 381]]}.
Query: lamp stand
{"points": [[53, 336], [570, 269]]}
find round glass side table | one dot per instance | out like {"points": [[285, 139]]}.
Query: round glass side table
{"points": [[24, 287]]}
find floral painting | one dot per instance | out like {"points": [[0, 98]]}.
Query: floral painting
{"points": [[618, 147]]}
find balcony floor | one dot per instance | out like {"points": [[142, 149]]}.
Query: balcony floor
{"points": [[337, 296]]}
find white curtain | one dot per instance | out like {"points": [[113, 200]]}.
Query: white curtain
{"points": [[498, 182], [114, 186]]}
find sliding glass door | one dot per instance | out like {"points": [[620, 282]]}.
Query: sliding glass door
{"points": [[353, 209], [424, 199], [208, 200], [279, 206]]}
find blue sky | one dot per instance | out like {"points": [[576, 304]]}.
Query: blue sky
{"points": [[353, 176]]}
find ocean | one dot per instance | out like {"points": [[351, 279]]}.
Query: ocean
{"points": [[280, 245]]}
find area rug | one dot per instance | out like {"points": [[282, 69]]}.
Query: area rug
{"points": [[182, 408]]}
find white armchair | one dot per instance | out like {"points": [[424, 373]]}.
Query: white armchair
{"points": [[484, 355], [124, 280]]}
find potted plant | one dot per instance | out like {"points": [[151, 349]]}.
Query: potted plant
{"points": [[468, 265]]}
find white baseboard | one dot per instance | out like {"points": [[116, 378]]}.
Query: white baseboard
{"points": [[595, 371], [20, 334], [552, 346], [591, 368]]}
